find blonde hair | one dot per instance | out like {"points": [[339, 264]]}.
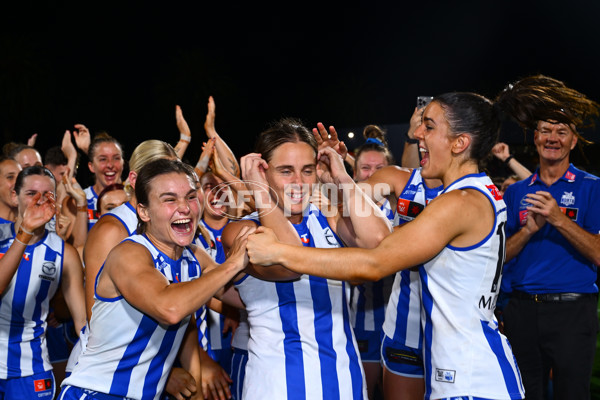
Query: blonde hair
{"points": [[146, 152]]}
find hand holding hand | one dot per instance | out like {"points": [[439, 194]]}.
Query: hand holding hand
{"points": [[545, 205], [261, 246], [237, 252]]}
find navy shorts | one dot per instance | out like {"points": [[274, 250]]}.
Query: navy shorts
{"points": [[402, 360]]}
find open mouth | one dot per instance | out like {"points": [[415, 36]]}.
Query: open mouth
{"points": [[183, 225], [424, 155], [110, 175]]}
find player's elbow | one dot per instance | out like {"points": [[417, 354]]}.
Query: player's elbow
{"points": [[170, 314]]}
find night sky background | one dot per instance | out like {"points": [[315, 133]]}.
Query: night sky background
{"points": [[122, 67]]}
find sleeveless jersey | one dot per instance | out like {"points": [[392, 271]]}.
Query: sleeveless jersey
{"points": [[464, 353], [24, 305], [126, 215], [402, 319], [92, 200], [128, 353], [301, 342]]}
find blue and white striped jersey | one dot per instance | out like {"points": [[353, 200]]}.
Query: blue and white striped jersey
{"points": [[24, 305], [301, 342], [463, 351], [128, 353]]}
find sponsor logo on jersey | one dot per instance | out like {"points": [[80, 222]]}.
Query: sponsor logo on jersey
{"points": [[219, 238], [408, 208], [570, 176], [304, 238], [41, 385], [48, 271], [445, 375], [523, 217], [494, 191], [567, 199], [570, 212]]}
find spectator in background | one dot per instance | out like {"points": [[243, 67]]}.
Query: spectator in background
{"points": [[553, 243]]}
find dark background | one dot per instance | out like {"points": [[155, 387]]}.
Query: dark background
{"points": [[122, 67]]}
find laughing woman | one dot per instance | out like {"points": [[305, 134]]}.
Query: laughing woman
{"points": [[459, 239], [301, 342], [139, 320], [35, 264]]}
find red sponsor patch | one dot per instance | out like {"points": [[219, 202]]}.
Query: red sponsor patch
{"points": [[523, 217], [304, 239], [402, 206], [570, 212], [1, 255], [494, 191], [570, 176], [42, 385]]}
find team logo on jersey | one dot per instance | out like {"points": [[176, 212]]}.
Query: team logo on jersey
{"points": [[445, 375], [408, 208], [570, 212], [42, 385], [567, 199]]}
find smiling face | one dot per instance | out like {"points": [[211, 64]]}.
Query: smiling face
{"points": [[9, 169], [434, 142], [216, 194], [554, 141], [107, 165], [172, 212], [32, 185], [291, 174], [367, 163]]}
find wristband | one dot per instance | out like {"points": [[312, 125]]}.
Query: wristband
{"points": [[203, 164], [508, 160], [410, 140], [185, 138], [82, 209], [21, 229], [23, 236]]}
